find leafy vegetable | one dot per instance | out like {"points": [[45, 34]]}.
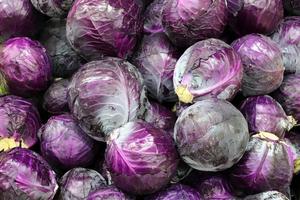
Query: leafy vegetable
{"points": [[53, 8], [104, 95], [141, 158], [25, 175], [153, 15], [105, 193], [263, 64], [209, 68], [211, 135], [270, 195]]}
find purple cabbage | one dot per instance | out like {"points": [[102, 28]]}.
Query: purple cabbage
{"points": [[25, 175], [186, 22], [263, 64], [267, 164], [211, 135], [287, 36], [19, 123], [288, 95], [78, 183], [106, 193], [53, 8], [55, 98], [64, 145], [209, 68], [269, 195], [104, 27], [156, 58], [265, 114], [141, 158], [25, 65], [292, 6], [259, 16], [104, 95], [153, 15]]}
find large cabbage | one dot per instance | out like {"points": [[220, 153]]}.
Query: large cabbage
{"points": [[287, 36], [153, 15], [53, 8], [187, 22], [108, 193], [104, 27], [104, 95], [211, 135], [263, 64], [25, 65], [156, 59], [19, 123], [141, 158], [25, 175], [64, 145], [209, 68]]}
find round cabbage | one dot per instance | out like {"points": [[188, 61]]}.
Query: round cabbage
{"points": [[106, 193], [53, 8], [211, 135], [141, 158], [263, 64]]}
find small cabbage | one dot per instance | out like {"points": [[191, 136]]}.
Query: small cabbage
{"points": [[269, 195], [19, 123], [156, 59], [64, 145], [209, 68], [288, 95], [25, 175], [267, 164], [25, 65], [259, 16], [292, 6], [77, 183], [104, 27], [64, 59], [153, 15], [53, 8], [141, 158], [287, 36], [265, 114], [104, 95], [105, 193], [263, 64], [211, 135], [186, 22], [18, 18]]}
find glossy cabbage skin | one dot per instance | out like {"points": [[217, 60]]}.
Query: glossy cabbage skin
{"points": [[64, 145], [108, 193], [77, 183], [104, 27], [26, 66], [141, 158], [211, 135], [104, 95], [186, 22], [25, 175], [53, 8], [259, 169], [20, 121], [209, 68], [263, 64], [156, 58]]}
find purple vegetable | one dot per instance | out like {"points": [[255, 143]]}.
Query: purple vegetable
{"points": [[105, 193], [104, 95], [64, 144], [292, 6], [293, 138], [186, 22], [263, 64], [183, 171], [288, 95], [55, 98], [77, 183], [25, 175], [269, 195], [104, 27], [141, 158], [265, 114], [19, 123], [18, 18], [287, 37], [211, 135], [209, 68], [259, 16], [156, 59], [25, 65], [153, 15], [177, 192], [53, 8], [267, 164]]}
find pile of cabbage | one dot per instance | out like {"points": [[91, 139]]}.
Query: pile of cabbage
{"points": [[149, 99]]}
